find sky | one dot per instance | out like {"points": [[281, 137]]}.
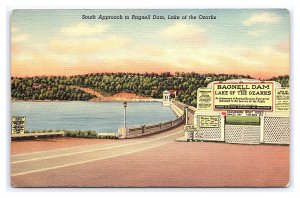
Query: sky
{"points": [[59, 42]]}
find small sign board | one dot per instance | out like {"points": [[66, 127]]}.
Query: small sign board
{"points": [[282, 100], [245, 113], [189, 128], [18, 124], [209, 121], [204, 99]]}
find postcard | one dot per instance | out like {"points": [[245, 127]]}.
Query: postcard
{"points": [[150, 98]]}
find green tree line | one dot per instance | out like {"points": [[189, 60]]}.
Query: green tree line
{"points": [[146, 84], [45, 88], [283, 80]]}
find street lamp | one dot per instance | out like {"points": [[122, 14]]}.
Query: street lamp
{"points": [[125, 105], [186, 114]]}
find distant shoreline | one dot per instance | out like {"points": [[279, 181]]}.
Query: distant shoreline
{"points": [[115, 100], [39, 100], [118, 97]]}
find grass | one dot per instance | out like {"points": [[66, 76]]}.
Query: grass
{"points": [[80, 134], [83, 134], [242, 120], [90, 134]]}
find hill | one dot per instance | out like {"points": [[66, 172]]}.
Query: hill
{"points": [[146, 85]]}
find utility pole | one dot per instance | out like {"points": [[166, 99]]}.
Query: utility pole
{"points": [[125, 105], [186, 114]]}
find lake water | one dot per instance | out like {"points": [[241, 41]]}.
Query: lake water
{"points": [[98, 116]]}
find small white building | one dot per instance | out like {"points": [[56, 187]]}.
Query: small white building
{"points": [[166, 98]]}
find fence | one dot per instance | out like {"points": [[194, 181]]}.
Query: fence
{"points": [[271, 130], [276, 130]]}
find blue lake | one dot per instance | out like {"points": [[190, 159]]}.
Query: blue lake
{"points": [[98, 116]]}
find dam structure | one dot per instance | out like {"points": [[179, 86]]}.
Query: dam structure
{"points": [[177, 107]]}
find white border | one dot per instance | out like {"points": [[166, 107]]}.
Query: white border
{"points": [[7, 5]]}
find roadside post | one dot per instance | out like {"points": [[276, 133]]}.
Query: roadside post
{"points": [[189, 132], [186, 114], [123, 132], [125, 106]]}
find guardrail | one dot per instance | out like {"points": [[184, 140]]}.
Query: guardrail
{"points": [[135, 100], [155, 128], [182, 105]]}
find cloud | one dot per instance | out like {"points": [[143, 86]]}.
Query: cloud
{"points": [[184, 32], [13, 30], [88, 45], [283, 46], [31, 63], [84, 29], [256, 33], [153, 51], [259, 63], [86, 38], [268, 61], [19, 38], [262, 18]]}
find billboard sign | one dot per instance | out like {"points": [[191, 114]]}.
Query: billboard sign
{"points": [[256, 96]]}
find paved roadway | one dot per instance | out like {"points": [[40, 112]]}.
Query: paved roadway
{"points": [[28, 163]]}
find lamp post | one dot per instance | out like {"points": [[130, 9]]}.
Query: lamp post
{"points": [[186, 114], [125, 105]]}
